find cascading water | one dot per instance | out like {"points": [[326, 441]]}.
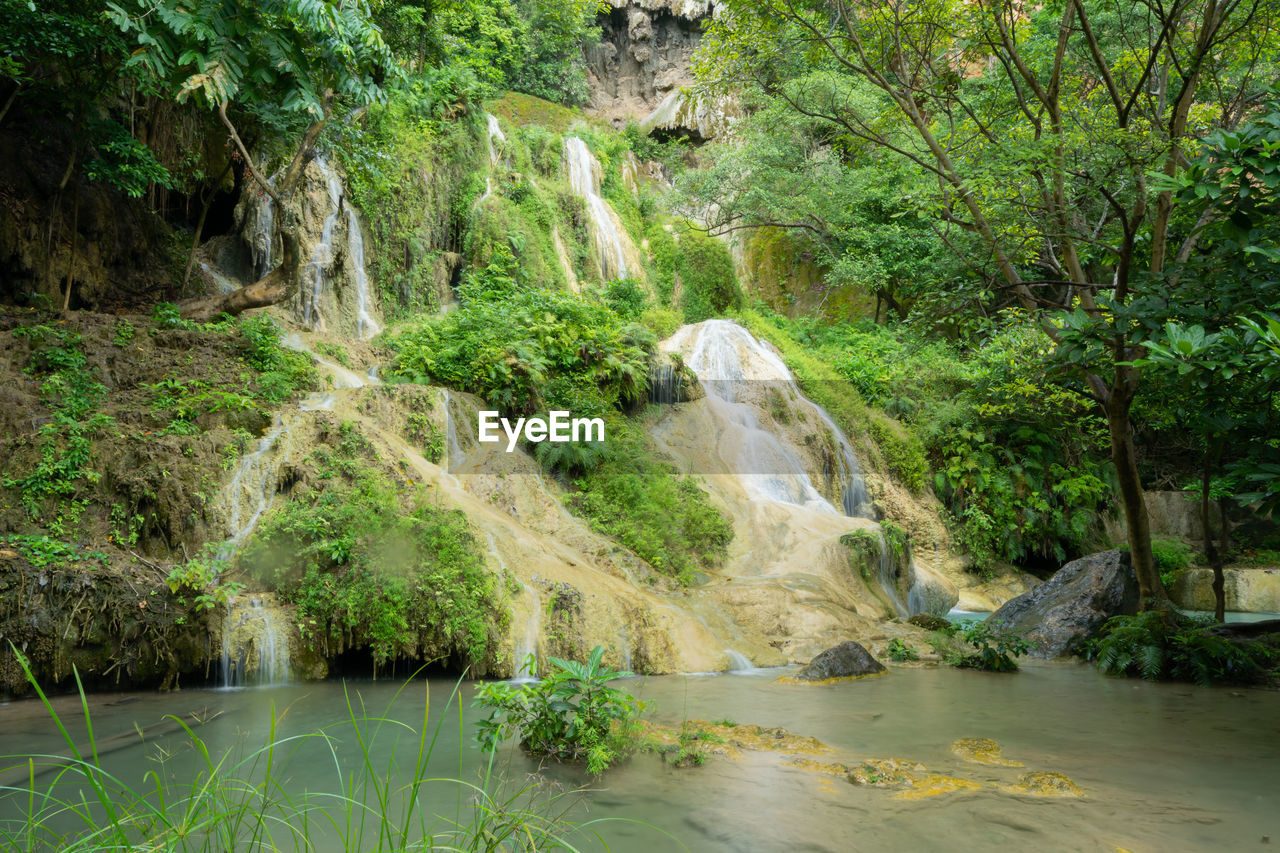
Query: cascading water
{"points": [[495, 135], [260, 240], [255, 642], [366, 327], [584, 180], [770, 469], [525, 648], [313, 275], [254, 633], [744, 379], [728, 361], [664, 384]]}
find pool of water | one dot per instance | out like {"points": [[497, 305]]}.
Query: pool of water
{"points": [[1163, 767]]}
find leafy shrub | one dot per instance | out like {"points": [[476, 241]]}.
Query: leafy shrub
{"points": [[900, 651], [996, 647], [572, 713], [69, 389], [1166, 646], [283, 372], [1171, 557], [372, 565], [666, 520], [663, 321], [509, 345], [706, 270], [626, 297]]}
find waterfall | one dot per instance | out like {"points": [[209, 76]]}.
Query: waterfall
{"points": [[366, 327], [738, 662], [665, 383], [251, 489], [731, 364], [255, 642], [527, 643], [322, 256], [263, 233], [495, 134], [584, 179]]}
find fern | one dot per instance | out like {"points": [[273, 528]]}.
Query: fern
{"points": [[1165, 646]]}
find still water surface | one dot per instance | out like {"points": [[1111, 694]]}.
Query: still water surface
{"points": [[1163, 767]]}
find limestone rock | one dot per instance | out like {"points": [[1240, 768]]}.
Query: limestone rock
{"points": [[929, 591], [847, 660], [1245, 590], [1073, 604]]}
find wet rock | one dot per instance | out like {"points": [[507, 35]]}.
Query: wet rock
{"points": [[847, 660], [1073, 604], [929, 591]]}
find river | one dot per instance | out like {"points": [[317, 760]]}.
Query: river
{"points": [[1162, 767]]}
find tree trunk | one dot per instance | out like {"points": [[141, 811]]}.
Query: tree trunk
{"points": [[1150, 589], [1210, 547], [276, 286]]}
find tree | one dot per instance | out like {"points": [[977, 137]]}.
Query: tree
{"points": [[287, 63], [1040, 128]]}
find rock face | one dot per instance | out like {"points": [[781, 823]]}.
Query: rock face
{"points": [[1074, 603], [643, 56], [1246, 590], [847, 660]]}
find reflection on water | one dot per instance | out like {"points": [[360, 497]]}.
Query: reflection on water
{"points": [[1163, 767]]}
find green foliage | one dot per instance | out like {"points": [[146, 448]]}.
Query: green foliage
{"points": [[662, 321], [627, 298], [182, 402], [1172, 558], [571, 713], [411, 166], [124, 333], [665, 519], [282, 55], [996, 647], [202, 575], [900, 651], [282, 372], [245, 796], [124, 162], [690, 748], [42, 552], [371, 564], [72, 394], [1160, 645], [525, 350], [706, 272]]}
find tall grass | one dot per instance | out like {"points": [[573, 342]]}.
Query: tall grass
{"points": [[244, 798]]}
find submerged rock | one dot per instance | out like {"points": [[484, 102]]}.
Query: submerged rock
{"points": [[847, 660], [1073, 604]]}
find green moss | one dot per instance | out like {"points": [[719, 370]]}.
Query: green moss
{"points": [[706, 272], [372, 563]]}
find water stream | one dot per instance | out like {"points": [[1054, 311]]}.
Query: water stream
{"points": [[1162, 767], [254, 647], [584, 172]]}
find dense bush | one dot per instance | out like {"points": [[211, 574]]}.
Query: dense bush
{"points": [[1161, 645], [1018, 458], [372, 564], [518, 347], [707, 275], [572, 713], [995, 647], [665, 519]]}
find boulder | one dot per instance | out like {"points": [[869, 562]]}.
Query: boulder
{"points": [[1073, 604], [929, 591], [847, 660]]}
